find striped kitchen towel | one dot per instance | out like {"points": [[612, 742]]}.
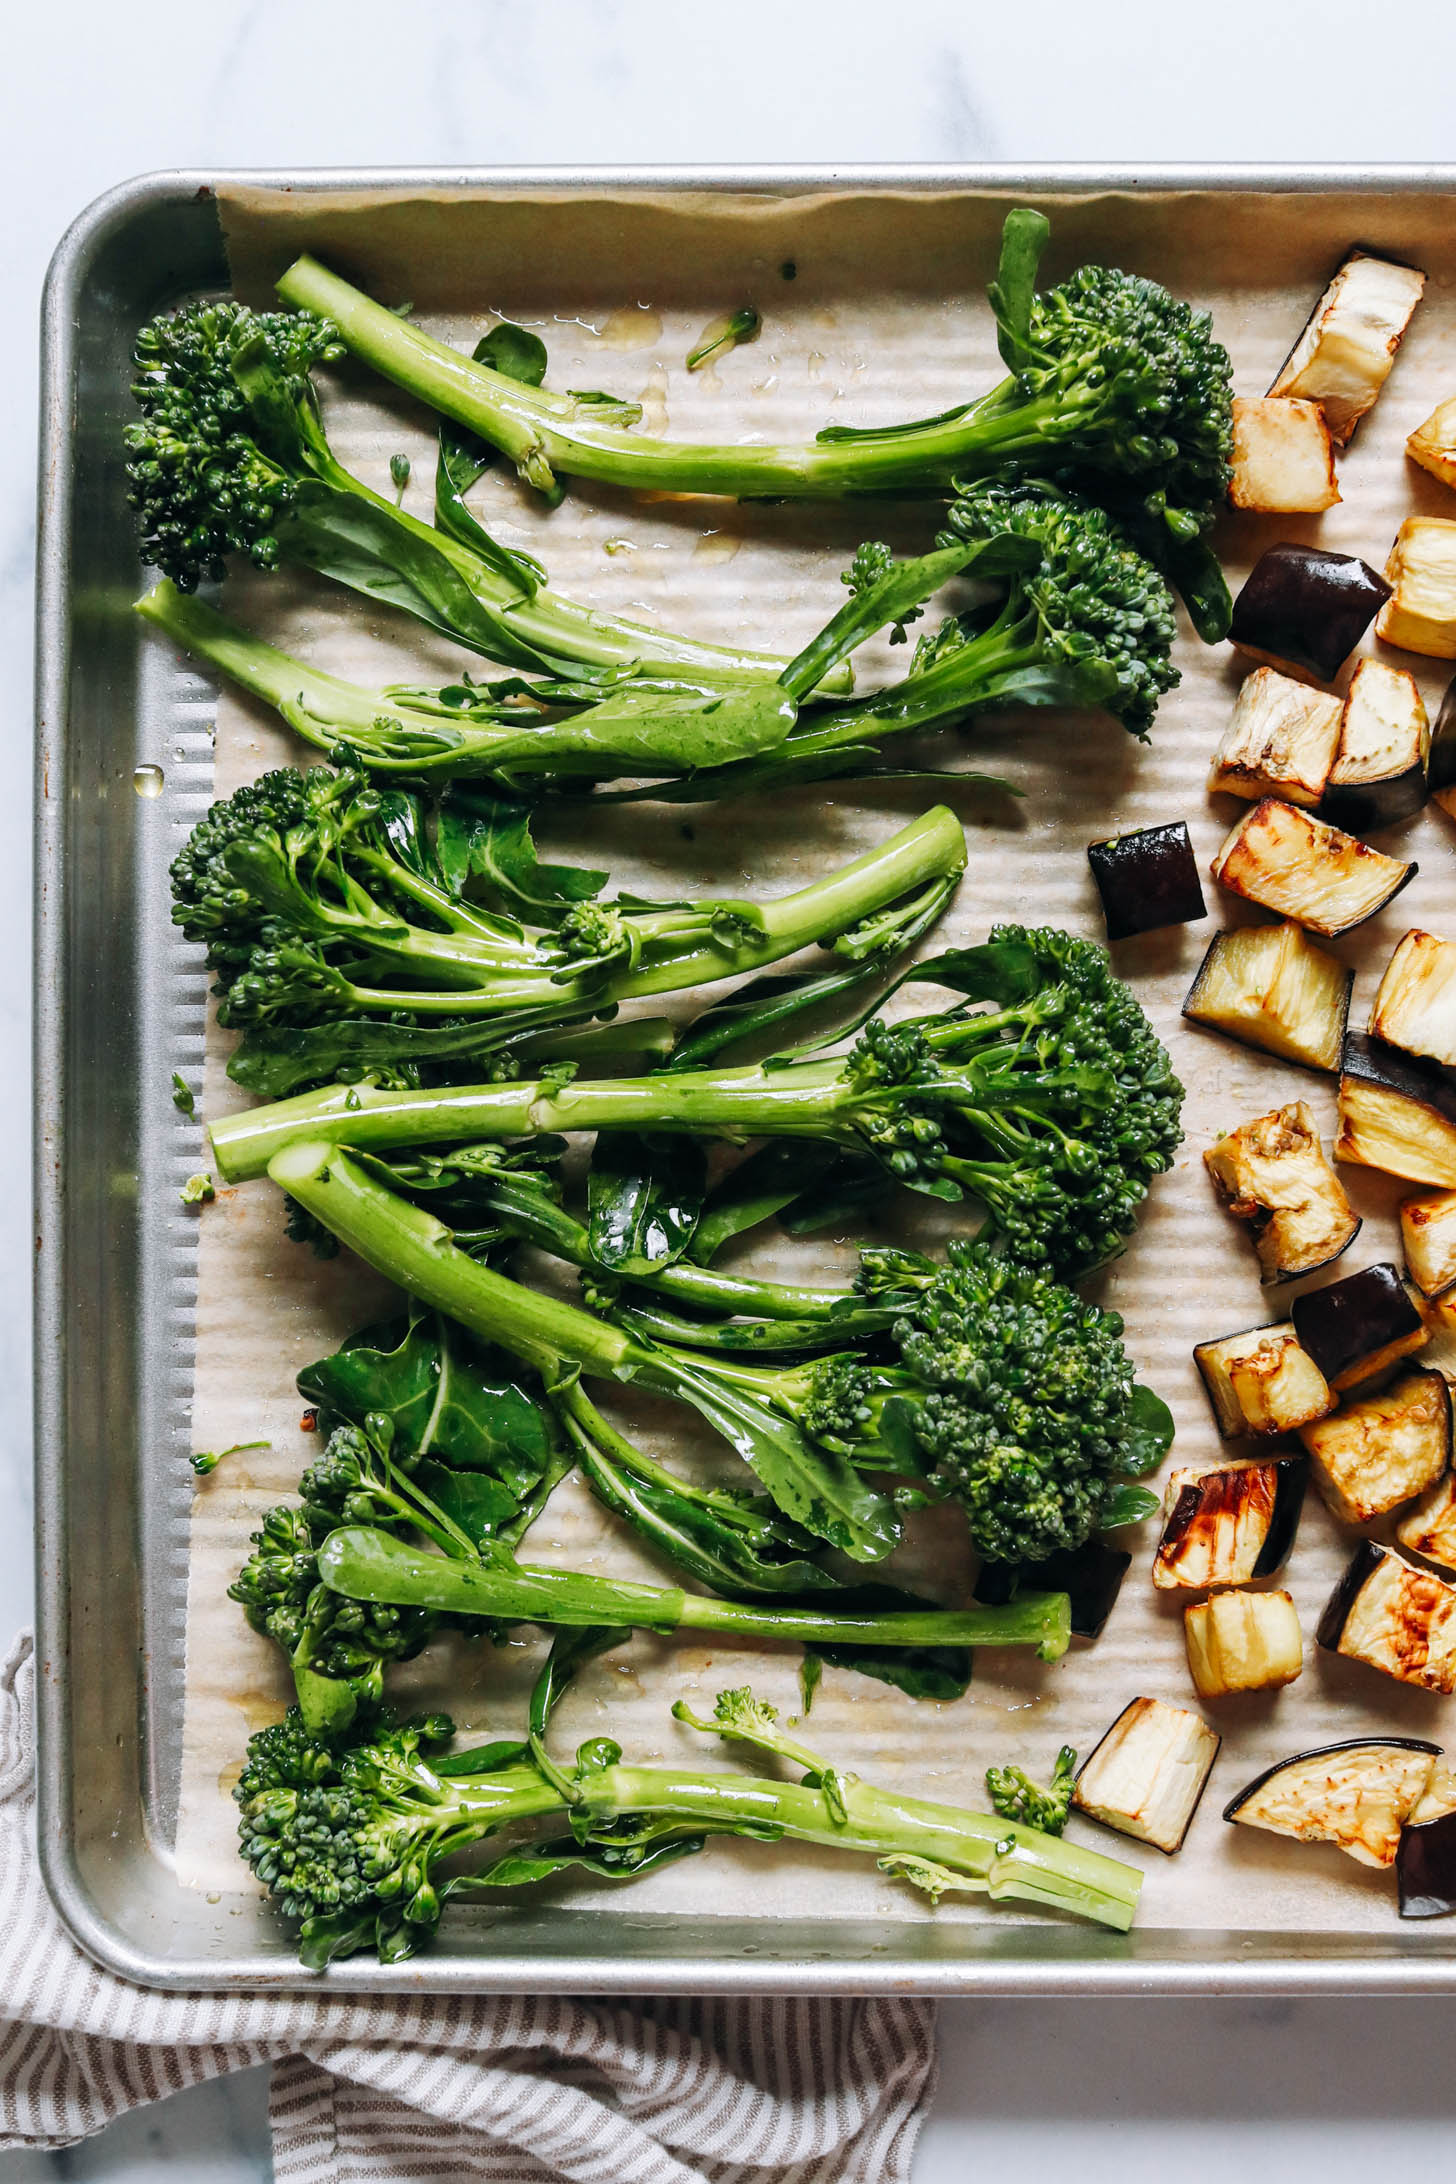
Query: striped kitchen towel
{"points": [[391, 2089]]}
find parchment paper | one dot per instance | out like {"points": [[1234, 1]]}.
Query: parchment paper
{"points": [[882, 318]]}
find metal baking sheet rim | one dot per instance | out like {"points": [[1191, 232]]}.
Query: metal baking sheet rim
{"points": [[1019, 1961]]}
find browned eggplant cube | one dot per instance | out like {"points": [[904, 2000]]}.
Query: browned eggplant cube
{"points": [[1342, 359], [1376, 1453], [1149, 1771], [1269, 986], [1395, 1617], [1441, 763], [1261, 1381], [1242, 1641], [1227, 1525], [1379, 774], [1280, 741], [1304, 609], [1273, 1174], [1428, 1527], [1292, 863], [1358, 1795], [1147, 880], [1397, 1114], [1415, 1008], [1284, 460], [1433, 444], [1428, 1232], [1420, 615]]}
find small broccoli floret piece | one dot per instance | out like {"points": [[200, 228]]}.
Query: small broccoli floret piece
{"points": [[1016, 1797]]}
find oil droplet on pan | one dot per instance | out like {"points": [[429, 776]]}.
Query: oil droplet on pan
{"points": [[716, 546], [148, 780], [654, 403], [619, 546], [635, 327]]}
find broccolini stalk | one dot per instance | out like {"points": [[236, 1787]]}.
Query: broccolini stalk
{"points": [[375, 1568], [319, 895], [1055, 1110], [231, 458], [1111, 377], [813, 1485], [350, 1838], [516, 732]]}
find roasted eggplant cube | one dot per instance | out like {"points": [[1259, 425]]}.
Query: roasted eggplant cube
{"points": [[1269, 986], [1261, 1381], [1146, 1776], [1396, 1114], [1273, 1174], [1090, 1575], [1433, 444], [1429, 1526], [1284, 459], [1357, 1326], [1375, 1454], [1441, 763], [1358, 1794], [1147, 880], [1425, 1864], [1420, 615], [1304, 609], [1394, 1616], [1428, 1232], [1415, 1008], [1342, 359], [1292, 863], [1379, 774], [1230, 1524], [1242, 1641], [1280, 741]]}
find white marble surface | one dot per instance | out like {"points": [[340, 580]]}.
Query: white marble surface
{"points": [[90, 93]]}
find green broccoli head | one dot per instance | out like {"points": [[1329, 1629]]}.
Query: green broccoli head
{"points": [[1024, 1404], [1093, 611], [200, 484], [343, 1833], [1056, 1111], [1148, 369]]}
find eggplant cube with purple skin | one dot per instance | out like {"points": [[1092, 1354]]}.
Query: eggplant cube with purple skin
{"points": [[1358, 1795], [1343, 356], [1294, 864], [1229, 1524], [1274, 1176], [1425, 1864], [1269, 986], [1283, 457], [1261, 1381], [1304, 609], [1373, 1455], [1357, 1326], [1379, 774], [1149, 1771], [1243, 1641], [1280, 741], [1415, 1008], [1397, 1114], [1147, 879], [1395, 1617]]}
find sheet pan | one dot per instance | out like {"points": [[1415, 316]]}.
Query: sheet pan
{"points": [[149, 1348]]}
